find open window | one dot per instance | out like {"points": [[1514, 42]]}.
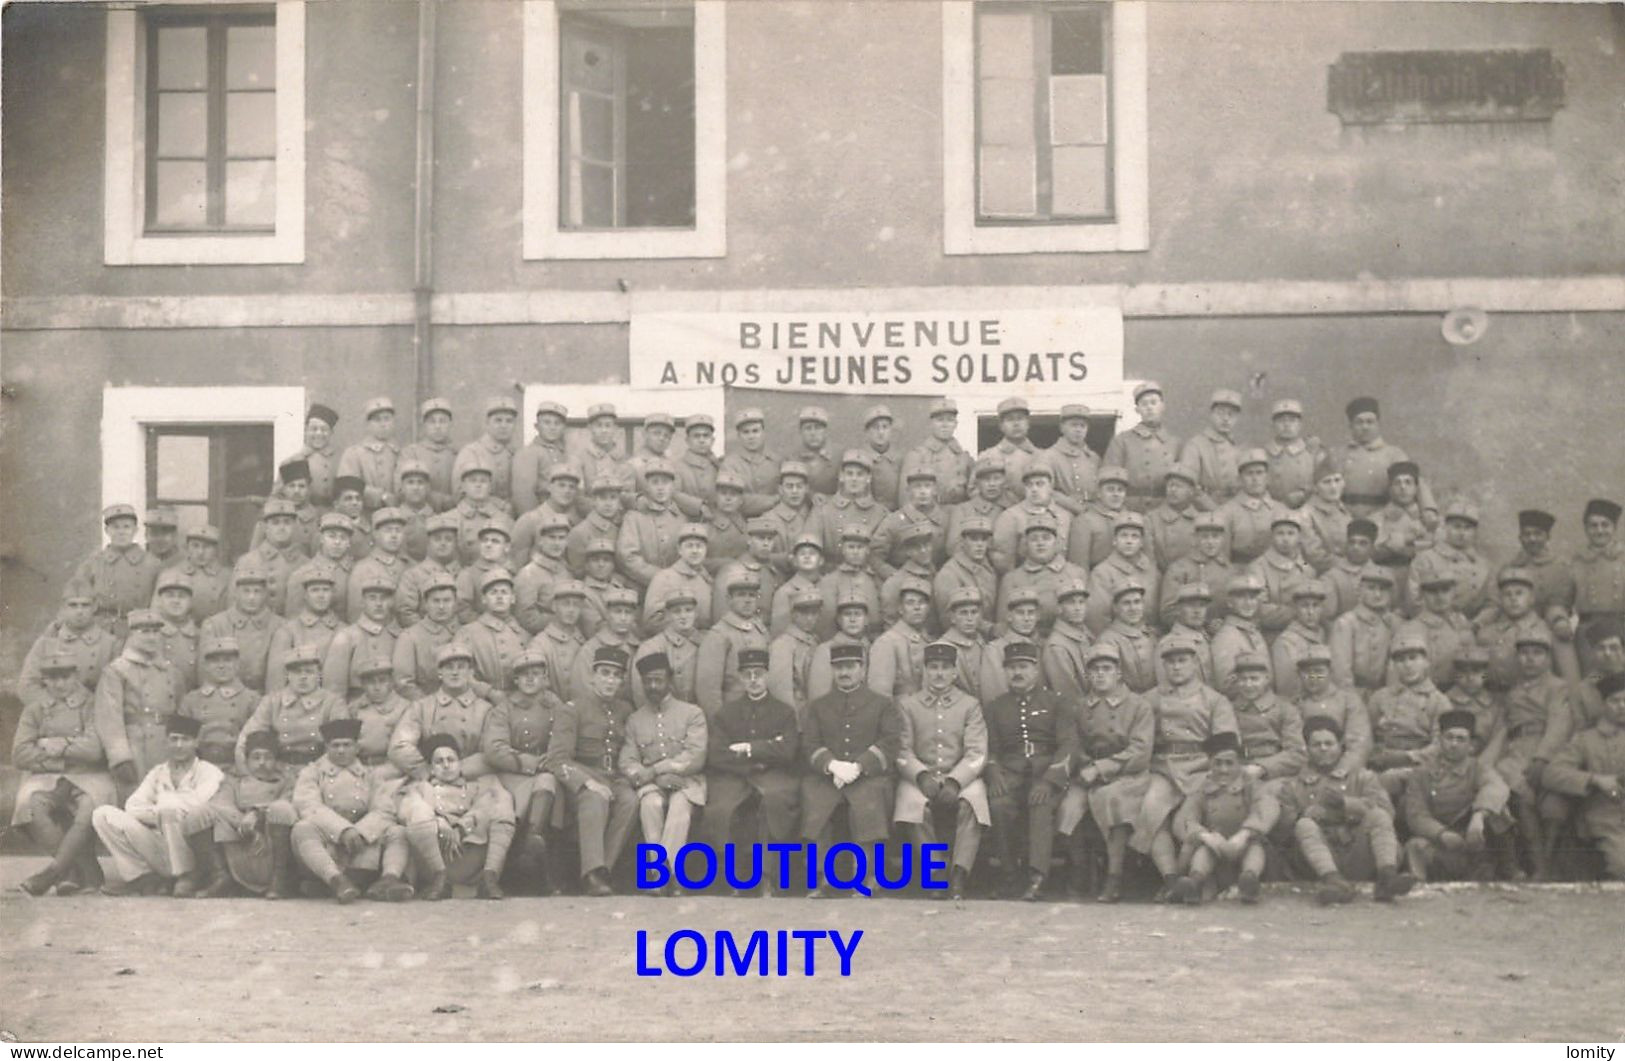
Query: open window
{"points": [[212, 473]]}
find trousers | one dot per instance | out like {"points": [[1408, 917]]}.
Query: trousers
{"points": [[138, 848], [967, 832], [665, 817], [603, 825], [1356, 850], [323, 857]]}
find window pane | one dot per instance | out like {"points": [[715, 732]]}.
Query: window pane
{"points": [[251, 57], [594, 192], [181, 197], [189, 516], [1004, 43], [1077, 110], [1007, 112], [183, 57], [1077, 42], [589, 63], [251, 193], [250, 124], [183, 124], [659, 133], [183, 467], [594, 135], [1079, 185], [1008, 179]]}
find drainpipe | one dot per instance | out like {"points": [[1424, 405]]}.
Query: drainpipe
{"points": [[423, 209]]}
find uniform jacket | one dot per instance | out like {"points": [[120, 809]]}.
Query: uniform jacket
{"points": [[668, 740]]}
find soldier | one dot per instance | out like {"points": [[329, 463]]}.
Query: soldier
{"points": [[1539, 720], [415, 506], [134, 695], [687, 573], [761, 540], [727, 523], [980, 673], [347, 503], [1282, 567], [1468, 693], [58, 751], [1066, 650], [279, 555], [1404, 714], [347, 826], [248, 621], [1457, 557], [649, 534], [922, 510], [295, 714], [1319, 697], [1239, 632], [1344, 576], [1360, 638], [525, 735], [603, 454], [1325, 519], [1190, 619], [415, 649], [790, 513], [717, 670], [495, 637], [750, 763], [1089, 538], [533, 586], [1341, 821], [753, 462], [1365, 461], [433, 452], [379, 708], [1599, 568], [162, 832], [1187, 714], [1250, 515], [602, 801], [1607, 641], [1145, 451], [914, 549], [1043, 569], [986, 500], [459, 826], [210, 579], [373, 459], [679, 641], [1447, 631], [1107, 769], [1213, 454], [897, 660], [658, 429], [1270, 727], [1014, 447], [663, 757], [1553, 579], [440, 562], [533, 465], [385, 560], [121, 574], [1221, 827], [494, 448], [1010, 529], [619, 630], [162, 541], [854, 506], [495, 545], [561, 639], [603, 521], [1590, 767], [476, 507], [314, 628], [458, 707], [1402, 534], [1448, 806], [1028, 728], [1075, 465], [850, 736], [245, 808], [852, 575], [1134, 639], [1172, 524], [807, 553], [222, 704], [74, 633], [1294, 460], [333, 559], [888, 464], [320, 453], [600, 582], [851, 628], [373, 634], [790, 655], [1208, 564], [1128, 560], [942, 454], [821, 471], [697, 467], [1514, 617], [968, 568], [1306, 630]]}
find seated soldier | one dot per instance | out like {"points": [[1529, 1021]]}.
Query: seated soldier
{"points": [[295, 714], [456, 708], [74, 632], [751, 763], [939, 766], [347, 828], [523, 736], [247, 808], [602, 801], [222, 703], [664, 757], [1592, 768], [64, 780], [1340, 820], [1539, 721], [1449, 803], [459, 829], [154, 840], [1025, 730], [1405, 713], [1222, 827]]}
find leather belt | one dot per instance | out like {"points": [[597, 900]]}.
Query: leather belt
{"points": [[1534, 729], [1179, 747]]}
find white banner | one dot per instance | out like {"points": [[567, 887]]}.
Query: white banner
{"points": [[866, 352]]}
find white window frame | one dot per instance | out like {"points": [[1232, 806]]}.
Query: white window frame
{"points": [[124, 174], [1131, 194], [577, 398], [542, 237], [974, 405], [127, 411]]}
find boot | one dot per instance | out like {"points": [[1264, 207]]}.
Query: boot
{"points": [[343, 888], [282, 884], [121, 888], [1334, 889], [1248, 887], [1035, 886], [596, 884], [958, 882], [389, 889], [438, 888], [1082, 863], [207, 874], [1391, 883], [41, 882], [75, 862], [1186, 890], [1506, 862], [1112, 890], [88, 874], [489, 887]]}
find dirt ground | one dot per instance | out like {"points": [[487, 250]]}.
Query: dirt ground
{"points": [[1492, 964]]}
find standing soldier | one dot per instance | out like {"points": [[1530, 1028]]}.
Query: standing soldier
{"points": [[155, 840], [1325, 518], [697, 467], [534, 464], [494, 637], [968, 568], [434, 452], [790, 655], [1089, 540], [533, 586], [727, 523], [373, 459], [1446, 630], [294, 715], [687, 572], [1270, 727], [663, 757], [347, 503], [1539, 721], [1343, 577], [1401, 532], [314, 627], [1212, 455], [790, 513], [1146, 451], [1553, 578], [1359, 638], [761, 538], [222, 704], [1405, 714], [346, 824], [333, 557], [922, 509], [75, 634], [854, 506], [604, 517], [379, 708], [1014, 448], [658, 429], [602, 801], [122, 573], [980, 672], [678, 641], [413, 479], [821, 471], [476, 507], [1499, 629], [1365, 461], [1026, 730], [416, 648], [1172, 524], [134, 695], [853, 574], [1208, 564], [163, 543], [1038, 503], [1066, 650], [495, 542], [458, 707], [1190, 624], [986, 500], [897, 660], [619, 631], [601, 581], [888, 465], [279, 555], [1250, 515], [1599, 568], [179, 636], [807, 556], [603, 454], [753, 462], [495, 448], [1075, 465], [385, 560], [851, 628], [914, 551], [1306, 631], [1128, 560], [1043, 570], [942, 454], [320, 453], [717, 670], [751, 763], [1294, 460], [249, 621], [210, 579], [1457, 557], [1238, 633], [650, 533]]}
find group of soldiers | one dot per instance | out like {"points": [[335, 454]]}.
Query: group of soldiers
{"points": [[1239, 662]]}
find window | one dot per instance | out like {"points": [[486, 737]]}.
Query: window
{"points": [[624, 143], [1044, 430], [205, 134], [214, 473], [1045, 129]]}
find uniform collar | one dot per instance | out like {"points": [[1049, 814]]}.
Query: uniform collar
{"points": [[332, 769], [327, 619], [1213, 434], [1056, 564], [130, 554], [1277, 447], [908, 631], [492, 446], [1146, 431], [466, 699], [378, 446]]}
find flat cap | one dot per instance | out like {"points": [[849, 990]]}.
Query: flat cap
{"points": [[1376, 573], [620, 597], [753, 658], [1128, 585], [942, 652], [412, 466], [1103, 650], [496, 576], [655, 466], [943, 407], [1194, 592], [659, 420], [704, 420], [609, 657], [569, 587], [250, 569], [694, 530], [1074, 412], [1126, 519], [860, 457], [600, 547], [1252, 661], [304, 654], [1017, 595], [1112, 473], [59, 662], [552, 409], [1246, 582], [219, 646], [845, 653], [806, 598], [528, 659], [1513, 575], [987, 464], [965, 595], [1072, 587], [1408, 641], [1174, 644], [1020, 652], [564, 470], [378, 664], [174, 578], [1315, 655], [1311, 587], [385, 516], [1041, 521], [914, 585], [980, 525], [789, 468]]}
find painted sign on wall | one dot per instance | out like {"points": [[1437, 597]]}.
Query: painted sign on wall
{"points": [[1374, 88]]}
